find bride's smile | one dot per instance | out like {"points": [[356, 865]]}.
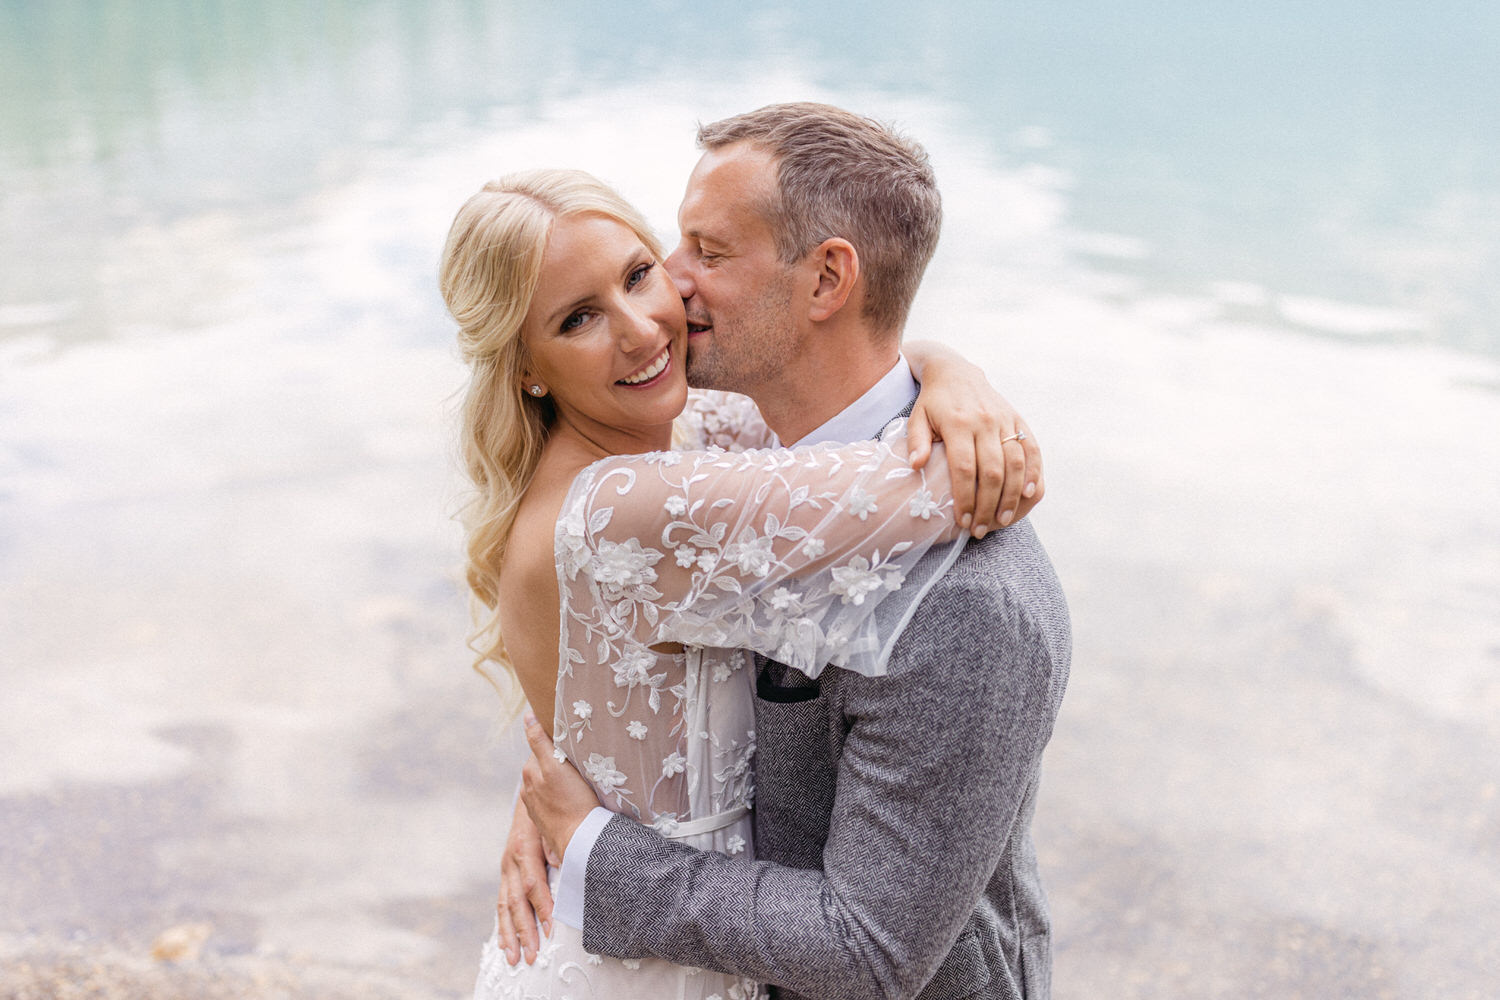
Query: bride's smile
{"points": [[605, 334]]}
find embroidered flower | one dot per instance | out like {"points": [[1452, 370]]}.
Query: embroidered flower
{"points": [[676, 505], [785, 601], [675, 763], [665, 824], [582, 709], [751, 553], [631, 963], [855, 581], [736, 844], [621, 566], [602, 772], [686, 555], [861, 504], [813, 547], [923, 505], [721, 673], [572, 546], [633, 667], [636, 729]]}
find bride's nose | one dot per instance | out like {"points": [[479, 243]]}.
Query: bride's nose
{"points": [[638, 329]]}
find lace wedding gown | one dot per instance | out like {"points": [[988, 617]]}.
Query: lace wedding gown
{"points": [[723, 549]]}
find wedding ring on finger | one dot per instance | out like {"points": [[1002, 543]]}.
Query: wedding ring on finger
{"points": [[1017, 436]]}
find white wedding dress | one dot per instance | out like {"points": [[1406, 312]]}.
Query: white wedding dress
{"points": [[724, 548]]}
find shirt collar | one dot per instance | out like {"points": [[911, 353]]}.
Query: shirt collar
{"points": [[866, 416]]}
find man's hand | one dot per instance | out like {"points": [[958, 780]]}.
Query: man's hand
{"points": [[993, 458], [555, 794], [524, 894]]}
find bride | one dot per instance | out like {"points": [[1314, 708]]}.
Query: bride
{"points": [[626, 584]]}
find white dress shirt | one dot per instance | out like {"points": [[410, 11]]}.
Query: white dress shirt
{"points": [[861, 420]]}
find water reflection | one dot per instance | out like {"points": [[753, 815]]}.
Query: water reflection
{"points": [[230, 626]]}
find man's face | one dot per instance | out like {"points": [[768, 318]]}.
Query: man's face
{"points": [[741, 332]]}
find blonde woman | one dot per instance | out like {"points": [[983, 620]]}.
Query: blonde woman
{"points": [[624, 584]]}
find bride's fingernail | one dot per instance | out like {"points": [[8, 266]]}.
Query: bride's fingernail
{"points": [[1007, 517], [965, 521], [981, 531], [1030, 490]]}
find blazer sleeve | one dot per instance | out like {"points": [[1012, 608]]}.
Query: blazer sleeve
{"points": [[936, 767]]}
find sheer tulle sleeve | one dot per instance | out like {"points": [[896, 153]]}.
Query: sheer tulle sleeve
{"points": [[786, 552], [728, 420]]}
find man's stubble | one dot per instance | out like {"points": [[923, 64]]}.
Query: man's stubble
{"points": [[751, 350]]}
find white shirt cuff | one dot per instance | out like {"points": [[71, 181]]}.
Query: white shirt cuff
{"points": [[567, 905]]}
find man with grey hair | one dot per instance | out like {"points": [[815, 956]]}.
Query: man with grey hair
{"points": [[892, 819]]}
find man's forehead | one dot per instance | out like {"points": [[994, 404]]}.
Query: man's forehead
{"points": [[726, 186]]}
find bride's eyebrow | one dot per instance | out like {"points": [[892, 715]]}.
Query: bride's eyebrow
{"points": [[561, 311], [639, 254]]}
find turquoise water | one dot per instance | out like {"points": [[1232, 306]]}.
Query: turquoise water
{"points": [[1343, 151], [1236, 263]]}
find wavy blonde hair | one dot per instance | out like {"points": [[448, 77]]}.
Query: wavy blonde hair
{"points": [[492, 262]]}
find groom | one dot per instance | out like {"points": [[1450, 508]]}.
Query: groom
{"points": [[893, 814]]}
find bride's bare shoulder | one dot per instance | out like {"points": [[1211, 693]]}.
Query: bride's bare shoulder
{"points": [[530, 547]]}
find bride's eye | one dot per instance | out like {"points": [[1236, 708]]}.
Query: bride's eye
{"points": [[639, 274], [574, 321]]}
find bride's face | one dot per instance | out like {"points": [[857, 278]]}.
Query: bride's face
{"points": [[606, 332]]}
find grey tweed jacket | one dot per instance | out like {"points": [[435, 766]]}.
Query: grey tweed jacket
{"points": [[893, 814]]}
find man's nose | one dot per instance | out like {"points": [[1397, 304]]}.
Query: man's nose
{"points": [[679, 271]]}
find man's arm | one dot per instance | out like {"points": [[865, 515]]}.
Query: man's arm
{"points": [[937, 764]]}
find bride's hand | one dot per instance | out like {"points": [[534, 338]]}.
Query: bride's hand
{"points": [[525, 896], [993, 458]]}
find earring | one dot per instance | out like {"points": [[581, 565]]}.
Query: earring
{"points": [[536, 390]]}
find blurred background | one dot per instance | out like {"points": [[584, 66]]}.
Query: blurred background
{"points": [[1237, 263]]}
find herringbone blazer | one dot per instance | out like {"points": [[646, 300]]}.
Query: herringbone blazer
{"points": [[893, 814]]}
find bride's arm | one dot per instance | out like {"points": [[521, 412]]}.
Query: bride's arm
{"points": [[786, 552], [993, 457]]}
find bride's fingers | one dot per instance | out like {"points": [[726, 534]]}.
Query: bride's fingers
{"points": [[505, 935], [918, 438], [522, 941], [525, 920], [539, 895], [1035, 486], [991, 480], [960, 453]]}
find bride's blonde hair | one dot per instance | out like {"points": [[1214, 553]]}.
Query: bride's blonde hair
{"points": [[492, 262]]}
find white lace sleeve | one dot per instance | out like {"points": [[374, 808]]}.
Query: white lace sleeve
{"points": [[728, 420], [785, 552]]}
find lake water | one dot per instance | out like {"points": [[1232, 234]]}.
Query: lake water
{"points": [[1236, 262]]}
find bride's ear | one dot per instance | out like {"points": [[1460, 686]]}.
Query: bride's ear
{"points": [[835, 263]]}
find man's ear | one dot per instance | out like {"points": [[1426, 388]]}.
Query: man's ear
{"points": [[836, 264]]}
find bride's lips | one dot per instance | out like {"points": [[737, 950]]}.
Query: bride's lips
{"points": [[653, 371]]}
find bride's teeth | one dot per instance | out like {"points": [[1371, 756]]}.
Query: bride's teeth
{"points": [[649, 373]]}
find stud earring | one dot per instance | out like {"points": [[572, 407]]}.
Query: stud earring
{"points": [[536, 390]]}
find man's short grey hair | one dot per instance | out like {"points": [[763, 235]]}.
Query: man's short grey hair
{"points": [[844, 175]]}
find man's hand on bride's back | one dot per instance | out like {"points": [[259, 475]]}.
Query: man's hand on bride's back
{"points": [[993, 458], [555, 794]]}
